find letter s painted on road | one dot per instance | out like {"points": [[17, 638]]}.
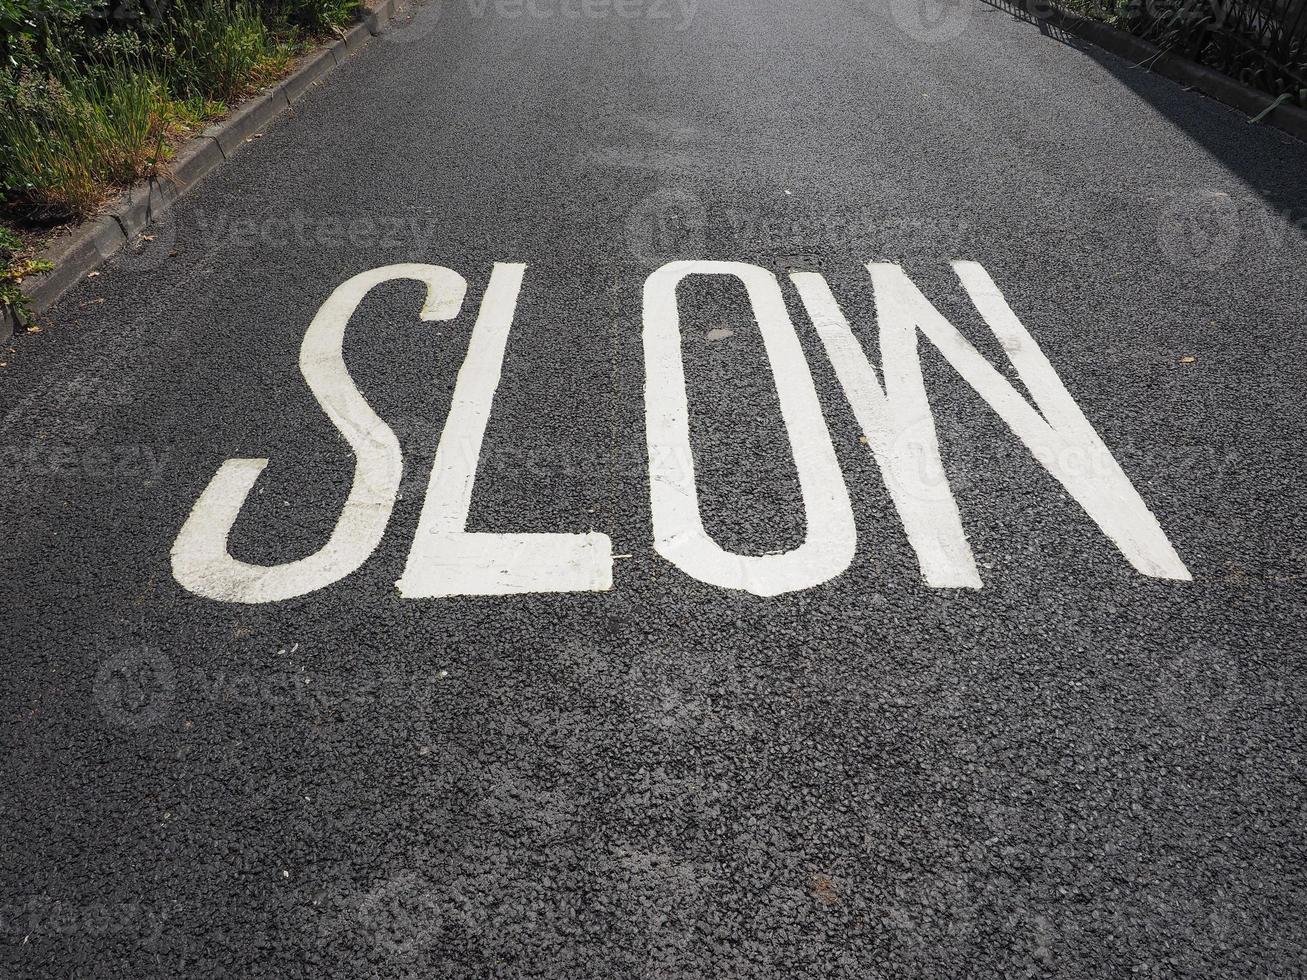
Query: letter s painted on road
{"points": [[200, 560]]}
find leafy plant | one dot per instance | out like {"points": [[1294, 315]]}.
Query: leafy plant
{"points": [[1260, 42], [13, 269], [315, 16], [94, 93], [217, 50], [65, 142]]}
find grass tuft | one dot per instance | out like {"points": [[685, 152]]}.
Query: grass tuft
{"points": [[94, 95], [218, 51], [65, 143]]}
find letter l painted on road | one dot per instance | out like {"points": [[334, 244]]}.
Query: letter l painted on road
{"points": [[446, 560]]}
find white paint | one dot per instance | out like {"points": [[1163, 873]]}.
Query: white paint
{"points": [[901, 430], [901, 433], [200, 559], [679, 534], [1062, 439], [445, 559]]}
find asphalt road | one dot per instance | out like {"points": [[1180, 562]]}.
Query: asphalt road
{"points": [[1080, 769]]}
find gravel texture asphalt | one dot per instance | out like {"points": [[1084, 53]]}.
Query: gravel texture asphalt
{"points": [[1075, 771]]}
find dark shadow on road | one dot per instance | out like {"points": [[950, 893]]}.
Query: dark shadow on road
{"points": [[1270, 162]]}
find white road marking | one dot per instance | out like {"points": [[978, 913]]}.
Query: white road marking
{"points": [[1062, 439], [679, 534], [901, 429], [200, 559], [901, 433], [445, 559]]}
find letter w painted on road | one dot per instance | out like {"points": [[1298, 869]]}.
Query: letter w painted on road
{"points": [[901, 431]]}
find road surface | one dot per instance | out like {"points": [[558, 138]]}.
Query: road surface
{"points": [[659, 489]]}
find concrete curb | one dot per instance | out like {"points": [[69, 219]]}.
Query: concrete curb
{"points": [[1289, 118], [91, 243]]}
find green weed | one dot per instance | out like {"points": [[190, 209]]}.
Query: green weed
{"points": [[64, 142], [14, 267], [94, 94], [218, 51]]}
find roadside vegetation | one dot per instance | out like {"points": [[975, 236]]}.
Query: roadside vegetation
{"points": [[1262, 43], [96, 95]]}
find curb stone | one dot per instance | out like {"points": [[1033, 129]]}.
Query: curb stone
{"points": [[249, 119], [337, 50], [320, 64], [1288, 118], [192, 162], [93, 242], [73, 256], [380, 17], [356, 37]]}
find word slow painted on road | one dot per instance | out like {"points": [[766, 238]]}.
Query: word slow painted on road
{"points": [[891, 407]]}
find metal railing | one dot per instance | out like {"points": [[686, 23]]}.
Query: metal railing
{"points": [[1262, 43]]}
